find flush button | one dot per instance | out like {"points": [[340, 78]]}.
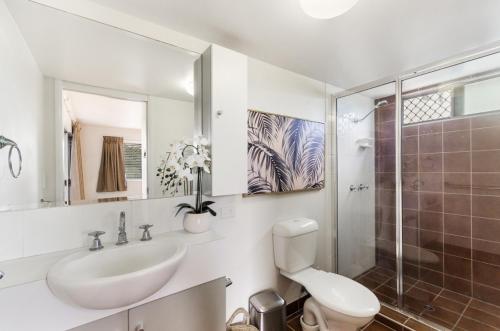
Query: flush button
{"points": [[1, 274]]}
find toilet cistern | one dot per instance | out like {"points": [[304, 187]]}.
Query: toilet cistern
{"points": [[337, 303]]}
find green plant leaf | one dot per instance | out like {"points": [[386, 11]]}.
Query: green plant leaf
{"points": [[183, 206], [210, 210]]}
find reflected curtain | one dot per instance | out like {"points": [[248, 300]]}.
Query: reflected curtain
{"points": [[112, 169], [77, 179]]}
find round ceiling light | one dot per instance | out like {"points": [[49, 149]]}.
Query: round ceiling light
{"points": [[325, 9]]}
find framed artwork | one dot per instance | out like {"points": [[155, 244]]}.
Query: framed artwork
{"points": [[285, 154]]}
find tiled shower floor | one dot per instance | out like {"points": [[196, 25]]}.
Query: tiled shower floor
{"points": [[387, 320], [449, 309]]}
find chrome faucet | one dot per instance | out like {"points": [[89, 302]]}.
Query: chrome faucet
{"points": [[96, 242], [362, 187], [122, 234], [146, 235]]}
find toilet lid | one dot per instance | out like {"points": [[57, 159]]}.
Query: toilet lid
{"points": [[337, 292]]}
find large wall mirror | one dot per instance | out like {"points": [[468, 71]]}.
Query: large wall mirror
{"points": [[88, 110]]}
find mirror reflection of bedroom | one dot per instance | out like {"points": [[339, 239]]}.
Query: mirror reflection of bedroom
{"points": [[105, 144], [104, 105]]}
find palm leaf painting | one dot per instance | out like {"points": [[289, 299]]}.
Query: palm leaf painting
{"points": [[284, 154], [276, 169], [261, 124], [292, 142]]}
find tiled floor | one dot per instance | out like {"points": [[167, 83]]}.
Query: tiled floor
{"points": [[387, 320], [294, 322], [449, 309]]}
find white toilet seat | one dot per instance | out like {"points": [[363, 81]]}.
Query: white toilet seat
{"points": [[337, 292]]}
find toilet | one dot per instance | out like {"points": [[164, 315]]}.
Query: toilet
{"points": [[337, 303]]}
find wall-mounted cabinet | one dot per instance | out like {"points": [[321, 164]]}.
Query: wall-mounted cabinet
{"points": [[225, 102]]}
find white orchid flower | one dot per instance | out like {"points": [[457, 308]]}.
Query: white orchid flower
{"points": [[203, 141], [186, 173], [177, 167], [195, 161]]}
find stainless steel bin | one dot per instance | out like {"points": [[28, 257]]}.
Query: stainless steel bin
{"points": [[267, 311]]}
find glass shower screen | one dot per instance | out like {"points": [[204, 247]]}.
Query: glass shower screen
{"points": [[366, 193]]}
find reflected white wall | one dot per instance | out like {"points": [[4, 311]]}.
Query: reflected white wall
{"points": [[356, 165], [21, 92], [169, 120]]}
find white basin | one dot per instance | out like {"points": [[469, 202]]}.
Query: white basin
{"points": [[116, 276]]}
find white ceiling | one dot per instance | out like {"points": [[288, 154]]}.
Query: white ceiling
{"points": [[375, 39], [75, 49], [92, 109]]}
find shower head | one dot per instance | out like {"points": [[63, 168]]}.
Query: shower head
{"points": [[379, 104]]}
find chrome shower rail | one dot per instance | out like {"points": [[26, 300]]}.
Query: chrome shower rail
{"points": [[4, 142]]}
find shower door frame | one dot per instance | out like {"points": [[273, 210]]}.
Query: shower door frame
{"points": [[398, 80]]}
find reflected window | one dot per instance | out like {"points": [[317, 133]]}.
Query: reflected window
{"points": [[133, 160]]}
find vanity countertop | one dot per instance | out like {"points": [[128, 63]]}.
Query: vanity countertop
{"points": [[32, 306]]}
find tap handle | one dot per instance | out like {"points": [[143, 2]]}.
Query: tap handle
{"points": [[96, 242], [146, 235], [96, 234]]}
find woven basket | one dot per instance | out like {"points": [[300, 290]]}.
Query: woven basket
{"points": [[242, 326]]}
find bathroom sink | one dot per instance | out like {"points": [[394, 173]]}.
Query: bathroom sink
{"points": [[116, 276]]}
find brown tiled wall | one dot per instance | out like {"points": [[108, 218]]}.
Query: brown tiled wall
{"points": [[451, 202], [385, 172]]}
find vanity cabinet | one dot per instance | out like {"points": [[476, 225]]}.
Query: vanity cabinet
{"points": [[117, 322], [224, 119], [199, 308]]}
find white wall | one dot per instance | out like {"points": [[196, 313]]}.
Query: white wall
{"points": [[246, 223], [249, 255], [356, 210], [21, 95], [91, 139], [168, 121]]}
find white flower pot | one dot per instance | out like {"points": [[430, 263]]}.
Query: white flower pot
{"points": [[196, 223]]}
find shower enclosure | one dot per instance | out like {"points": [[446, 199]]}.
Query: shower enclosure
{"points": [[418, 191]]}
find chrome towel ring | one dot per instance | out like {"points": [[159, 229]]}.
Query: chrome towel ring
{"points": [[13, 146]]}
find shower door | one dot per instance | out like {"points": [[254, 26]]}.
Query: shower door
{"points": [[366, 189], [418, 192], [451, 193]]}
